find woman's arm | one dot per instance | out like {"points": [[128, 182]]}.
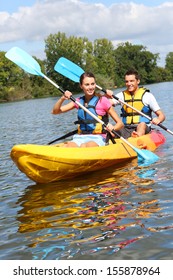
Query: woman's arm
{"points": [[119, 124], [58, 108]]}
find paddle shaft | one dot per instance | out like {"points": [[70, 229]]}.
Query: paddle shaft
{"points": [[100, 121], [139, 112], [49, 80], [141, 153], [72, 71], [115, 97], [144, 154], [63, 137], [94, 116], [80, 105], [30, 65], [90, 113], [85, 109], [138, 151]]}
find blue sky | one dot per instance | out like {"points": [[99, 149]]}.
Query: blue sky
{"points": [[13, 5], [27, 23]]}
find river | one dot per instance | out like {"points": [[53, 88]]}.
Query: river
{"points": [[116, 214]]}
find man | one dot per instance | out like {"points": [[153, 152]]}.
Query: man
{"points": [[140, 98]]}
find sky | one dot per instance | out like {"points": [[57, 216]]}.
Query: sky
{"points": [[28, 23]]}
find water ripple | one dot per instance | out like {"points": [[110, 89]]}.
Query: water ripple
{"points": [[123, 213]]}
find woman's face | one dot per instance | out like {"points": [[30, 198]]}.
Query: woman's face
{"points": [[88, 85]]}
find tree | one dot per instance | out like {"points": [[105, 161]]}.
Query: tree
{"points": [[15, 84], [134, 56], [40, 87], [104, 59], [12, 80], [161, 74], [169, 63], [97, 57], [108, 63], [72, 48]]}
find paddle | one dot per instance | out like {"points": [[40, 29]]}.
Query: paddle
{"points": [[27, 63], [141, 113], [63, 137], [30, 65], [72, 71]]}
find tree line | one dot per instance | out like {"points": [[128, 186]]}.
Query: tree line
{"points": [[107, 62]]}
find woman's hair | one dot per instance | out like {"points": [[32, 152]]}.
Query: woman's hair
{"points": [[86, 74]]}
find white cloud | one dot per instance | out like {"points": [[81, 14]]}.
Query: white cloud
{"points": [[152, 26]]}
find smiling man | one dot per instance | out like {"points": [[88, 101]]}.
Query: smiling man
{"points": [[141, 99]]}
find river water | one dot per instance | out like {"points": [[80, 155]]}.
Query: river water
{"points": [[122, 214]]}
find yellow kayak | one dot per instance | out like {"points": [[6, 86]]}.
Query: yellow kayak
{"points": [[45, 163]]}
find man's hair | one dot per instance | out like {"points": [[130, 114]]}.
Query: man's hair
{"points": [[133, 72]]}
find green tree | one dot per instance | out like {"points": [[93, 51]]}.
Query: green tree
{"points": [[59, 45], [104, 59], [88, 59], [40, 87], [134, 56], [15, 84], [13, 81], [108, 63], [169, 63], [161, 74], [97, 57]]}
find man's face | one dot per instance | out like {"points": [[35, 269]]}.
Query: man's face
{"points": [[131, 83]]}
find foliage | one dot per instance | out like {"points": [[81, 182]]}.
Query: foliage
{"points": [[107, 62], [14, 82], [129, 56], [72, 48], [169, 63]]}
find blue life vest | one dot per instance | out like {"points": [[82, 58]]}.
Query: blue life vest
{"points": [[87, 124]]}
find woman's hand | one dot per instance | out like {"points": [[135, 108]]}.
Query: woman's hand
{"points": [[109, 93], [109, 128], [67, 94]]}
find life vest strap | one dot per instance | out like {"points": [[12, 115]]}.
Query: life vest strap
{"points": [[124, 114], [85, 121]]}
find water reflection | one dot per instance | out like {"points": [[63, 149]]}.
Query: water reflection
{"points": [[128, 212], [78, 219], [135, 203]]}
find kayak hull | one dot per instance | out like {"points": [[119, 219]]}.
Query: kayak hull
{"points": [[45, 164]]}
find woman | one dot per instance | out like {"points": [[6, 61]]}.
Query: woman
{"points": [[90, 132]]}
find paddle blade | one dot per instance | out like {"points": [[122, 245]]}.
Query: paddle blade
{"points": [[146, 156], [68, 69], [24, 61]]}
